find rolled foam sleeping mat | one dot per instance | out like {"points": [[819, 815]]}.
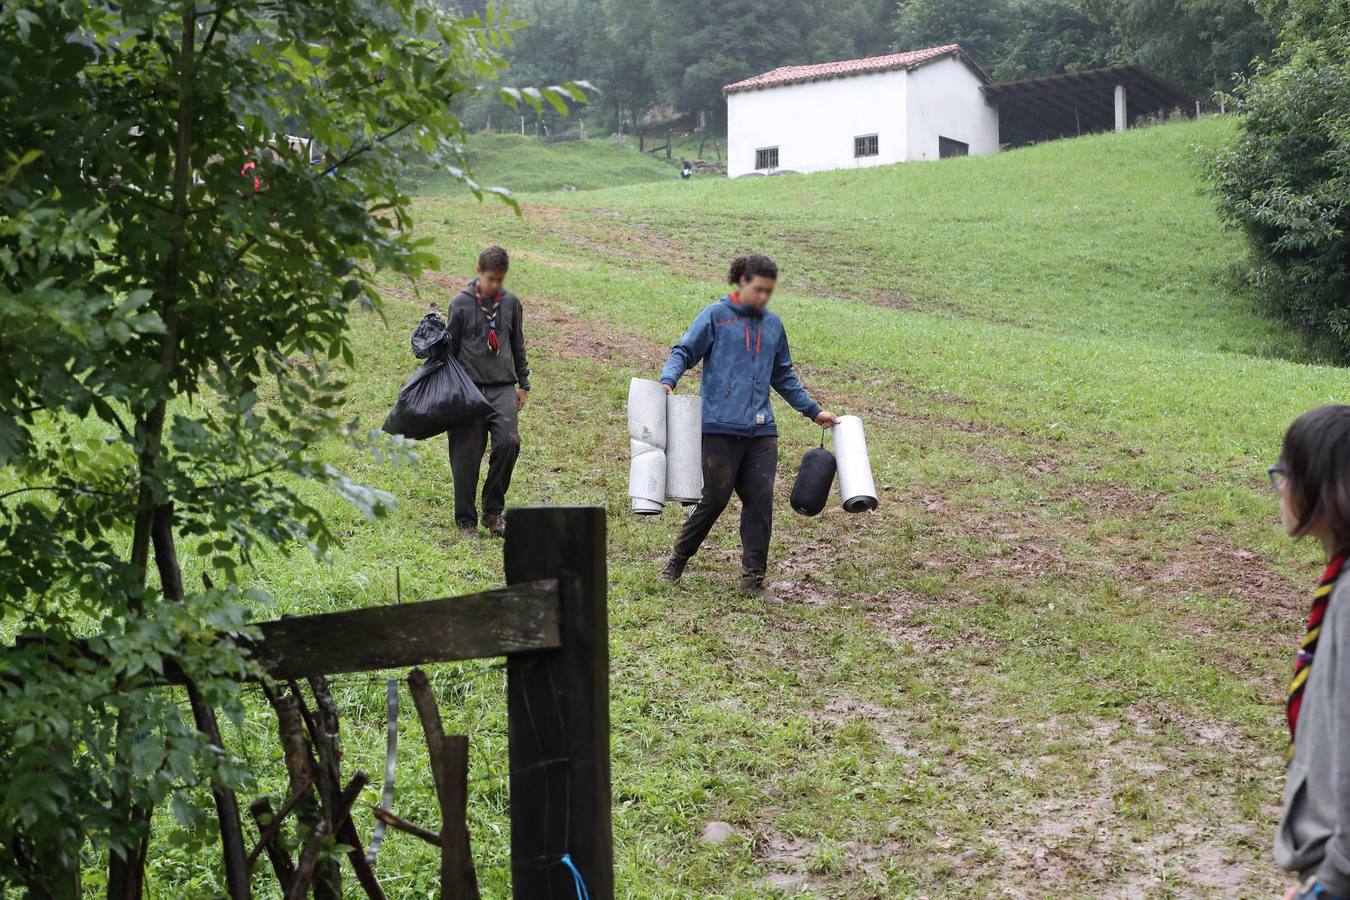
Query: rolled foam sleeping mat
{"points": [[647, 479], [684, 449], [856, 487], [647, 441], [647, 412]]}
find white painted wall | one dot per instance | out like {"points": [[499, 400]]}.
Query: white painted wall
{"points": [[945, 100], [813, 124]]}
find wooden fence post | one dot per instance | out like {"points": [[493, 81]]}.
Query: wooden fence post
{"points": [[558, 710]]}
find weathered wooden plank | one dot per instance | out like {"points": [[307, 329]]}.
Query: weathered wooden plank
{"points": [[516, 619], [558, 711]]}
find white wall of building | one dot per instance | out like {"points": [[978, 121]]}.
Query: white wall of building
{"points": [[813, 124], [945, 100]]}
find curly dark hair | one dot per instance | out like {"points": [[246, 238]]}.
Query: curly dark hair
{"points": [[1316, 460], [749, 266], [494, 259]]}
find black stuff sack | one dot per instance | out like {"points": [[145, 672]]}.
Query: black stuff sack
{"points": [[430, 339], [438, 398], [811, 491]]}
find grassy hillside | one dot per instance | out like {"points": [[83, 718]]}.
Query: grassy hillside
{"points": [[1052, 662], [1110, 235], [526, 165]]}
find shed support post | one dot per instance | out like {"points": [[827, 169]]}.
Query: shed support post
{"points": [[1122, 119]]}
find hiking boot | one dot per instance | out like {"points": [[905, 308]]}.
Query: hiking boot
{"points": [[467, 527], [496, 525], [674, 568], [752, 584]]}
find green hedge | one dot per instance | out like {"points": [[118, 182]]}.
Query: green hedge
{"points": [[1286, 182]]}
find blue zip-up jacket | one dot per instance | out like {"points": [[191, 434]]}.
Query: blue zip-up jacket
{"points": [[744, 353]]}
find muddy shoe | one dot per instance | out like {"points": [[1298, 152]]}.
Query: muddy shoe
{"points": [[496, 525], [674, 568], [752, 585], [468, 528]]}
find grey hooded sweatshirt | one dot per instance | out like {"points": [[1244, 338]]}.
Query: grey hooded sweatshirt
{"points": [[1314, 836], [467, 326]]}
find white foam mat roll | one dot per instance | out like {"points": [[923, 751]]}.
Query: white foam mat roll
{"points": [[856, 487], [647, 507], [684, 449], [647, 412], [647, 478], [647, 443]]}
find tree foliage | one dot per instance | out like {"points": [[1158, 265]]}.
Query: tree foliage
{"points": [[1286, 180], [1198, 45], [168, 333], [643, 53]]}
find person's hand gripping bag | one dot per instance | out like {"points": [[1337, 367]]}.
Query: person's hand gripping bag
{"points": [[811, 491]]}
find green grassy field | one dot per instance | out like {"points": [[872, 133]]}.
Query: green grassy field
{"points": [[525, 165], [1052, 662]]}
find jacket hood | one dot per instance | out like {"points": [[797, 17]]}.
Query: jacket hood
{"points": [[744, 311]]}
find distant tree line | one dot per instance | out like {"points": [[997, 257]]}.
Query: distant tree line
{"points": [[644, 54]]}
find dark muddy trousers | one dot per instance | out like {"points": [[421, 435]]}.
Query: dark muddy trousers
{"points": [[467, 445], [747, 467]]}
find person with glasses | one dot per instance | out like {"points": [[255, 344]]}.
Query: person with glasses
{"points": [[1312, 478]]}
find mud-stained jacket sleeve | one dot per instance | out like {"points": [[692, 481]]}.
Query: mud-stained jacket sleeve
{"points": [[690, 350]]}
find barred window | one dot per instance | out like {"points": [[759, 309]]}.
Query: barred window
{"points": [[767, 158], [866, 145]]}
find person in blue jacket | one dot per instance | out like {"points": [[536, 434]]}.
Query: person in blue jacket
{"points": [[744, 351]]}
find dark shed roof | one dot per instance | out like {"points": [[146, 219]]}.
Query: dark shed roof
{"points": [[1037, 109]]}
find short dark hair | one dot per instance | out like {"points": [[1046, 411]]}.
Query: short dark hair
{"points": [[749, 266], [1316, 460], [494, 259]]}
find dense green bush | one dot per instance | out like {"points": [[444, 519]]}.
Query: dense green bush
{"points": [[1286, 179]]}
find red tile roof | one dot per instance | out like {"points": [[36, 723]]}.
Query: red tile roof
{"points": [[844, 68]]}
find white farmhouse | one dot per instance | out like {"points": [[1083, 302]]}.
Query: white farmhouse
{"points": [[924, 104]]}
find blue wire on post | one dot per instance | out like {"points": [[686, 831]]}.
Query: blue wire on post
{"points": [[582, 893]]}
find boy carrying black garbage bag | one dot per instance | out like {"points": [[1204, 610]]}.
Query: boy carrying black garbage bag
{"points": [[487, 337]]}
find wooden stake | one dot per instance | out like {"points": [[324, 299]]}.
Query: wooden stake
{"points": [[449, 768], [269, 831], [393, 821], [323, 734], [309, 856]]}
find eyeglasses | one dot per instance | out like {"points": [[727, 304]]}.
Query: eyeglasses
{"points": [[1277, 476]]}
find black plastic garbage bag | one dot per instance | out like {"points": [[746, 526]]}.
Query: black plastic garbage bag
{"points": [[811, 491], [438, 398], [430, 339]]}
